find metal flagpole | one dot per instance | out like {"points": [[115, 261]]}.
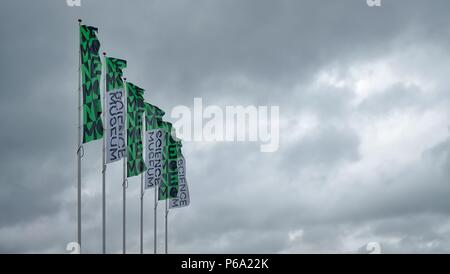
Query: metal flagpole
{"points": [[104, 157], [80, 145], [125, 183], [142, 213], [142, 190], [155, 211], [167, 196], [167, 213]]}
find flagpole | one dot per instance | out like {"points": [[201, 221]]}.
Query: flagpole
{"points": [[80, 145], [167, 197], [142, 213], [124, 185], [104, 159], [142, 191], [155, 211], [167, 213]]}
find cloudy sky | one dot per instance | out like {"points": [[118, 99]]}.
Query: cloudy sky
{"points": [[364, 97]]}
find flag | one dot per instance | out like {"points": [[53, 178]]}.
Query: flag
{"points": [[135, 113], [153, 116], [182, 199], [91, 70], [114, 73], [115, 109], [169, 185], [154, 142]]}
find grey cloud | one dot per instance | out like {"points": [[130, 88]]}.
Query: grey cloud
{"points": [[328, 146], [398, 97], [243, 52]]}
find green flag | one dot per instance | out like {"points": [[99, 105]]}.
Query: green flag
{"points": [[91, 70], [169, 186], [135, 113], [114, 73], [153, 117]]}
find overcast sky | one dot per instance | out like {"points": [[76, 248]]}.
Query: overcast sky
{"points": [[364, 97]]}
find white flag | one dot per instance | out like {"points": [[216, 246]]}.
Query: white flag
{"points": [[115, 125], [182, 199], [154, 142]]}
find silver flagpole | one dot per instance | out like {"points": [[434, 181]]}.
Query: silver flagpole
{"points": [[142, 213], [167, 214], [80, 145], [142, 188], [155, 212], [124, 185], [167, 197], [104, 157]]}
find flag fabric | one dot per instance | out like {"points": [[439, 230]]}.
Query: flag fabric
{"points": [[153, 116], [91, 70], [154, 145], [114, 73], [169, 185], [115, 109], [135, 113], [183, 198]]}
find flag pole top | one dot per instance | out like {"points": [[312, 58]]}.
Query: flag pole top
{"points": [[79, 20]]}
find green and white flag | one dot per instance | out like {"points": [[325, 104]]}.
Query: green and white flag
{"points": [[135, 113], [168, 187], [115, 109], [183, 198], [154, 145], [91, 71]]}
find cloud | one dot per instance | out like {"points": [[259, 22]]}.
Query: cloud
{"points": [[364, 108]]}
